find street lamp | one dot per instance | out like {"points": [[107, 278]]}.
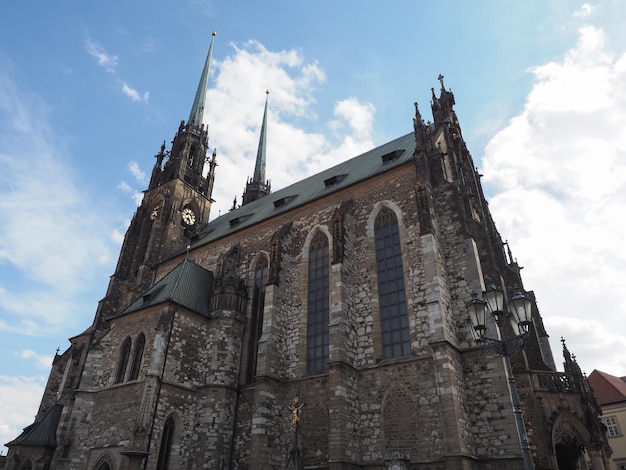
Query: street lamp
{"points": [[520, 316]]}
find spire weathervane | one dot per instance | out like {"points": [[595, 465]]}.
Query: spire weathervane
{"points": [[196, 115]]}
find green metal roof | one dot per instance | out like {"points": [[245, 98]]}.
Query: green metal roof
{"points": [[188, 284], [42, 433], [367, 165]]}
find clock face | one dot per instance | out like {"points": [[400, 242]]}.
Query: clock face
{"points": [[189, 218], [155, 213]]}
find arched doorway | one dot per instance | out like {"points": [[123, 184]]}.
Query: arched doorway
{"points": [[570, 439], [568, 456]]}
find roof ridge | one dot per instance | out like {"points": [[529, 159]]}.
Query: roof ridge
{"points": [[607, 388]]}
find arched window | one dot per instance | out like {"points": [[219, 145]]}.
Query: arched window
{"points": [[317, 309], [137, 356], [122, 362], [166, 444], [104, 463], [391, 296], [256, 320]]}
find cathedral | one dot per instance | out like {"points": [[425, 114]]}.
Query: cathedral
{"points": [[320, 326]]}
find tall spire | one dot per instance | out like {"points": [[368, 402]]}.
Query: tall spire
{"points": [[257, 187], [259, 167], [197, 109]]}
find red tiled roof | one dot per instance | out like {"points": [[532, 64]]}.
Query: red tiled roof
{"points": [[607, 388]]}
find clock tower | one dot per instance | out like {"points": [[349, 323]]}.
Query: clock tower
{"points": [[175, 206]]}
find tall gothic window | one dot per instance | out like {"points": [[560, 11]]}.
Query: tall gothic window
{"points": [[392, 299], [166, 444], [318, 300], [137, 355], [122, 362], [256, 320]]}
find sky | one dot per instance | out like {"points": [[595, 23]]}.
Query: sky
{"points": [[89, 91]]}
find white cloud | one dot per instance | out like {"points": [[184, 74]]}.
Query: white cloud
{"points": [[133, 94], [42, 361], [235, 108], [585, 10], [109, 62], [53, 241], [137, 172], [117, 236], [560, 171], [20, 399], [360, 117], [105, 60], [136, 194]]}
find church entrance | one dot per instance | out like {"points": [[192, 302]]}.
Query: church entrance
{"points": [[568, 456]]}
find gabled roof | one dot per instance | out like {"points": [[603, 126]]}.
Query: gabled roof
{"points": [[42, 433], [367, 165], [607, 388], [188, 284]]}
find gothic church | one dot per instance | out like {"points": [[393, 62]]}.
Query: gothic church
{"points": [[321, 326]]}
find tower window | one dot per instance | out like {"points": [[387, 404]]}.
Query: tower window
{"points": [[392, 299], [317, 310], [165, 450], [137, 356], [256, 320], [122, 362]]}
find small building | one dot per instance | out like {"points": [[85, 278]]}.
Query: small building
{"points": [[610, 391]]}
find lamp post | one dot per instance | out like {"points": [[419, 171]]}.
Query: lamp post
{"points": [[520, 316]]}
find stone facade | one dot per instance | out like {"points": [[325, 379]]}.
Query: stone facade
{"points": [[170, 375]]}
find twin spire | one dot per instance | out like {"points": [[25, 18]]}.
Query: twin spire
{"points": [[259, 167], [256, 187], [197, 109]]}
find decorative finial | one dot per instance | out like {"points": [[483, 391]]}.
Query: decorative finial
{"points": [[440, 78], [214, 33], [267, 91]]}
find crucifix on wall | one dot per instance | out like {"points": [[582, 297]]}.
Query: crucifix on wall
{"points": [[295, 413], [296, 460]]}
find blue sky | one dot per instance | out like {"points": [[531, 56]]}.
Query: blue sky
{"points": [[89, 91]]}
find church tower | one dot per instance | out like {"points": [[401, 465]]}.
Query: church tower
{"points": [[175, 206], [257, 187]]}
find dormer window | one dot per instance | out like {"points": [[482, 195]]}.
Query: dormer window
{"points": [[283, 201], [238, 220], [392, 155], [335, 180], [149, 296]]}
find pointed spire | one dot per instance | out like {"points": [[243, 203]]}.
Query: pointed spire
{"points": [[259, 167], [257, 187], [197, 109]]}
